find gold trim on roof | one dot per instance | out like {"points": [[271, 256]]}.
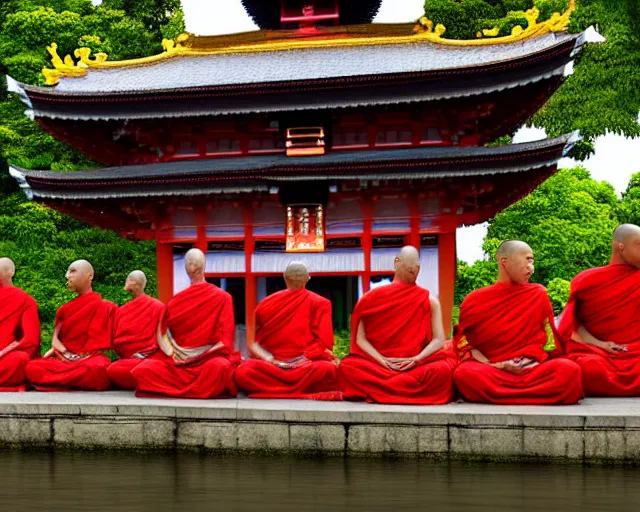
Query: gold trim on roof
{"points": [[256, 42]]}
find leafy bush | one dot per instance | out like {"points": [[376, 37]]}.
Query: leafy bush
{"points": [[342, 346]]}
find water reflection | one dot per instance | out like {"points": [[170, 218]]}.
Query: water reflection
{"points": [[98, 482]]}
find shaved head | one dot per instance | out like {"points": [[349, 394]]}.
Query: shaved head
{"points": [[7, 271], [515, 262], [80, 276], [296, 275], [139, 277], [626, 245], [622, 233], [194, 263], [407, 264], [510, 247], [135, 283], [7, 267], [83, 265]]}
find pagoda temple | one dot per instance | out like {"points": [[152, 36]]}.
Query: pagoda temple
{"points": [[322, 137]]}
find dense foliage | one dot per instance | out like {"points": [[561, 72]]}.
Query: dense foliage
{"points": [[603, 94], [43, 242], [567, 221]]}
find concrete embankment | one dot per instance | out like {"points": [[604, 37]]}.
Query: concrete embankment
{"points": [[595, 430]]}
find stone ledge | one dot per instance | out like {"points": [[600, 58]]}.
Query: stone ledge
{"points": [[595, 430]]}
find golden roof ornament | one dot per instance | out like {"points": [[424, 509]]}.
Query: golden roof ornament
{"points": [[423, 31]]}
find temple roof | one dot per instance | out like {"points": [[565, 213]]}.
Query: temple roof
{"points": [[305, 79], [245, 69], [258, 173]]}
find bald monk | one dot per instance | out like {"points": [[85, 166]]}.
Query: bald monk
{"points": [[601, 323], [82, 333], [197, 334], [19, 330], [293, 347], [134, 331], [396, 341], [501, 339]]}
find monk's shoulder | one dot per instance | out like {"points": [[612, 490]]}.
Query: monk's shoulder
{"points": [[25, 297], [318, 300], [479, 294]]}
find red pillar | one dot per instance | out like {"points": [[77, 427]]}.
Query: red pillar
{"points": [[367, 243], [201, 229], [164, 270], [447, 275], [414, 222], [251, 292]]}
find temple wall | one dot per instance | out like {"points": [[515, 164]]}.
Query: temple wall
{"points": [[596, 430]]}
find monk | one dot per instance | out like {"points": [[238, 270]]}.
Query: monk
{"points": [[601, 323], [501, 338], [396, 343], [293, 346], [81, 334], [134, 331], [19, 330], [197, 334]]}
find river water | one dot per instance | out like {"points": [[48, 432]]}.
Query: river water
{"points": [[190, 482]]}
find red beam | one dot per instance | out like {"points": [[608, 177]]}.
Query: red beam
{"points": [[251, 292], [164, 263], [447, 275]]}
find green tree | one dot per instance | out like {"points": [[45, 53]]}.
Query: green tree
{"points": [[155, 15], [629, 208], [603, 93], [43, 242], [568, 221]]}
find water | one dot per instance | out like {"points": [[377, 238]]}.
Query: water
{"points": [[188, 482]]}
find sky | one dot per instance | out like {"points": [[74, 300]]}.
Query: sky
{"points": [[615, 160]]}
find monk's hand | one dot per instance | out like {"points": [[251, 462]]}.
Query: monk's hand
{"points": [[281, 364], [613, 348], [57, 346], [401, 364], [508, 366]]}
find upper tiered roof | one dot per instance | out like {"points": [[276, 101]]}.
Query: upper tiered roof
{"points": [[266, 71]]}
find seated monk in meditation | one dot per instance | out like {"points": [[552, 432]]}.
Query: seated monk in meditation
{"points": [[294, 339], [601, 323], [19, 330], [135, 327], [396, 343], [197, 334], [81, 334], [501, 338]]}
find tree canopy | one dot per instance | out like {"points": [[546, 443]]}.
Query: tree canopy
{"points": [[568, 222], [603, 94], [43, 242]]}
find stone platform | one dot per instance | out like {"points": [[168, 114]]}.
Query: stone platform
{"points": [[595, 430]]}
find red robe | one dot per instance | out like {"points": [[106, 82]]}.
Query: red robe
{"points": [[134, 338], [19, 337], [198, 316], [505, 322], [606, 301], [397, 322], [291, 324], [85, 327]]}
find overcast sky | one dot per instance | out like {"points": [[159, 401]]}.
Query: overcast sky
{"points": [[615, 160]]}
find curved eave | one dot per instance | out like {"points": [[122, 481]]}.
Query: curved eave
{"points": [[376, 88], [257, 69], [258, 173]]}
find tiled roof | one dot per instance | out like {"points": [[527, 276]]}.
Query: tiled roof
{"points": [[296, 65], [257, 173]]}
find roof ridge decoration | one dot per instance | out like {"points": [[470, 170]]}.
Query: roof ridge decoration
{"points": [[424, 31]]}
